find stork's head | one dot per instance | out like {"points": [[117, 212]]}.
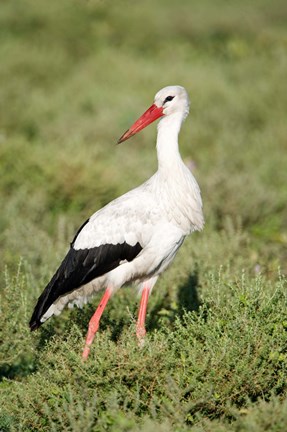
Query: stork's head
{"points": [[172, 99], [167, 102]]}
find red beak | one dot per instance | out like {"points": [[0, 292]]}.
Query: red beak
{"points": [[152, 114]]}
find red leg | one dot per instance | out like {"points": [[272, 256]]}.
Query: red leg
{"points": [[141, 331], [94, 323]]}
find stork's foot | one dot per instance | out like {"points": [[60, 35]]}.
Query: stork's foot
{"points": [[86, 352], [93, 328], [94, 323], [141, 331]]}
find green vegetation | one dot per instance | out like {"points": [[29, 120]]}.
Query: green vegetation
{"points": [[74, 75]]}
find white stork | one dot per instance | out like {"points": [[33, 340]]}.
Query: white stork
{"points": [[136, 236]]}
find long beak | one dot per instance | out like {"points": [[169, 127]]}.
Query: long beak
{"points": [[152, 114]]}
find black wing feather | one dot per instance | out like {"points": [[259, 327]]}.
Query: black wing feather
{"points": [[78, 268]]}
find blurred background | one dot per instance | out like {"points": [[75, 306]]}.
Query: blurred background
{"points": [[75, 75]]}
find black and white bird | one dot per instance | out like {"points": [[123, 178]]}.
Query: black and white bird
{"points": [[136, 236]]}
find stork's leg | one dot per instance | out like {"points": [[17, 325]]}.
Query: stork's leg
{"points": [[141, 331], [94, 323]]}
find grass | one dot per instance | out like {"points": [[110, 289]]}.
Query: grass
{"points": [[74, 76]]}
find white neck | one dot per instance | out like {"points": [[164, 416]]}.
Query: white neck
{"points": [[167, 142], [174, 183]]}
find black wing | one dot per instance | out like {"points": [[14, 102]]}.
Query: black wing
{"points": [[78, 268]]}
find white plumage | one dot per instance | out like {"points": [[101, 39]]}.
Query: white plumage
{"points": [[143, 229]]}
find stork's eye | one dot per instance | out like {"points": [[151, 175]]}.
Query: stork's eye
{"points": [[168, 99]]}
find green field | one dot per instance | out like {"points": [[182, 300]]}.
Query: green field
{"points": [[74, 76]]}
